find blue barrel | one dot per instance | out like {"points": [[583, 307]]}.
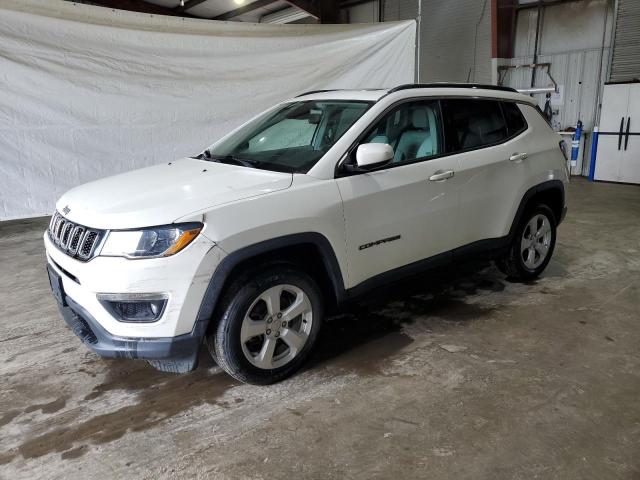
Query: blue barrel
{"points": [[575, 144]]}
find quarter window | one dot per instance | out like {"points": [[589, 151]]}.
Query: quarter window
{"points": [[513, 116], [473, 124], [412, 129]]}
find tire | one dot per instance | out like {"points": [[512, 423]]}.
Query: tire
{"points": [[528, 254], [251, 342]]}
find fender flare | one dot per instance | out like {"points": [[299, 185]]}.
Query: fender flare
{"points": [[528, 195], [225, 267]]}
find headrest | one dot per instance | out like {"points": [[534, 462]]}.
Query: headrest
{"points": [[419, 119], [476, 125], [379, 139]]}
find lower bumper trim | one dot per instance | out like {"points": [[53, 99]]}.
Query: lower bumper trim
{"points": [[176, 354]]}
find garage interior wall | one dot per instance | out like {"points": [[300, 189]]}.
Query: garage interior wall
{"points": [[366, 12], [454, 39], [89, 92], [571, 39], [576, 40]]}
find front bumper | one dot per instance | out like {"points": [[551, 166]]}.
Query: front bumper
{"points": [[172, 342], [183, 278], [175, 354]]}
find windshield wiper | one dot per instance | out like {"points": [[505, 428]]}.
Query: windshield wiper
{"points": [[230, 159], [203, 156]]}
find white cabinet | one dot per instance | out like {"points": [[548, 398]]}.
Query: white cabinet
{"points": [[618, 158]]}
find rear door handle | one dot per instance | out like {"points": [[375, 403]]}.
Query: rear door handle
{"points": [[518, 157], [439, 176]]}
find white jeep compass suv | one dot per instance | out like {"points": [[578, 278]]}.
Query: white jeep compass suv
{"points": [[309, 204]]}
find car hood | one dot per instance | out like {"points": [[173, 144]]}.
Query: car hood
{"points": [[162, 194]]}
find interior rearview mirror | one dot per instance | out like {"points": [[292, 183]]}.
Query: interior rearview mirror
{"points": [[372, 155]]}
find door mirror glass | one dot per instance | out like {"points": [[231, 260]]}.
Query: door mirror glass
{"points": [[372, 155]]}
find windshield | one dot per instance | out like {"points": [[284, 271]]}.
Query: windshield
{"points": [[291, 138]]}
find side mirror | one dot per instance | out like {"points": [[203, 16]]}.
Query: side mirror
{"points": [[372, 155]]}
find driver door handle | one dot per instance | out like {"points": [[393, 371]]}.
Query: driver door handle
{"points": [[439, 176], [518, 157]]}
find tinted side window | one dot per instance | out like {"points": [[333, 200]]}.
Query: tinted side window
{"points": [[513, 116], [412, 129], [473, 123]]}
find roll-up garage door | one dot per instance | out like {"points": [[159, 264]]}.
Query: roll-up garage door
{"points": [[455, 38], [625, 63]]}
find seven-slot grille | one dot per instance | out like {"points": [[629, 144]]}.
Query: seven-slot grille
{"points": [[75, 240]]}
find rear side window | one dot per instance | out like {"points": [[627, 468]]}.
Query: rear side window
{"points": [[472, 124], [516, 123]]}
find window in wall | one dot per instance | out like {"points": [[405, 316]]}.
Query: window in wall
{"points": [[412, 129], [473, 123]]}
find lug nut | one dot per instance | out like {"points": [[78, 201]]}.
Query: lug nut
{"points": [[284, 324], [277, 334], [279, 315], [269, 320], [268, 331]]}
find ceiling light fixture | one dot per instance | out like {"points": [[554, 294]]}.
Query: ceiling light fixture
{"points": [[238, 2]]}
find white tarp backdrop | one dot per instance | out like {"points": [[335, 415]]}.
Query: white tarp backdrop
{"points": [[87, 92]]}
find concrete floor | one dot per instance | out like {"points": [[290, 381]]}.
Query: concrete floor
{"points": [[461, 375]]}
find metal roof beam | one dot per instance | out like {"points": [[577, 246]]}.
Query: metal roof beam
{"points": [[139, 6], [541, 3], [250, 7], [287, 15], [308, 6], [188, 4], [326, 11]]}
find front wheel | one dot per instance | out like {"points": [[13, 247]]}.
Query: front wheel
{"points": [[532, 245], [269, 324]]}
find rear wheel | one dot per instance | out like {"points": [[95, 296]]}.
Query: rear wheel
{"points": [[532, 245], [269, 324]]}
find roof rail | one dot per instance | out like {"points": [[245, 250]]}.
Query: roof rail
{"points": [[452, 85], [316, 91]]}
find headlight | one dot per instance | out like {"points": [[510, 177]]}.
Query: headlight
{"points": [[150, 242]]}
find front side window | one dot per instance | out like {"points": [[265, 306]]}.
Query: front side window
{"points": [[291, 138], [473, 123], [412, 129]]}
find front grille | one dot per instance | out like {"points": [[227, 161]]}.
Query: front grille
{"points": [[75, 240]]}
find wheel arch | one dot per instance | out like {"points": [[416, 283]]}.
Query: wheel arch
{"points": [[550, 193], [310, 250]]}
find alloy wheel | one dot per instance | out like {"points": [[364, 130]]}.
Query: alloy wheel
{"points": [[276, 326], [536, 241]]}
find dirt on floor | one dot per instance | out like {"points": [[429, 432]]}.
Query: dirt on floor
{"points": [[459, 374]]}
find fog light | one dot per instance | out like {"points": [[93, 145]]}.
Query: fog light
{"points": [[137, 307]]}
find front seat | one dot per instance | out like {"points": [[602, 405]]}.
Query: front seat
{"points": [[414, 141]]}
